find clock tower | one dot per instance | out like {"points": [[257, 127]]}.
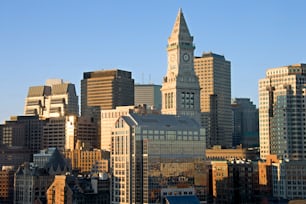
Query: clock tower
{"points": [[180, 88]]}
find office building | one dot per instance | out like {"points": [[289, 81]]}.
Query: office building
{"points": [[63, 132], [289, 179], [282, 112], [245, 123], [23, 131], [214, 73], [180, 87], [88, 159], [148, 94], [55, 99], [108, 118], [106, 89], [157, 153], [14, 156]]}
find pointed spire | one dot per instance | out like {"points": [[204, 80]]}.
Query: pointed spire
{"points": [[180, 27]]}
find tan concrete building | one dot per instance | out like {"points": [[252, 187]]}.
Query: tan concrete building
{"points": [[88, 160], [108, 118], [214, 73], [265, 174], [282, 112], [56, 98], [180, 88], [219, 172]]}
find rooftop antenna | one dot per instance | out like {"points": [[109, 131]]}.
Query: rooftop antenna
{"points": [[150, 82], [142, 78]]}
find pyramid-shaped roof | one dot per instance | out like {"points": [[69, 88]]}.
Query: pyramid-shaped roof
{"points": [[180, 29]]}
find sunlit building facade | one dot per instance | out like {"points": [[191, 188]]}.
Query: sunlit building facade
{"points": [[214, 73], [88, 160], [108, 118], [180, 88], [151, 153], [282, 112], [55, 99]]}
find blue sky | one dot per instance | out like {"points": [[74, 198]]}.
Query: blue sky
{"points": [[63, 39]]}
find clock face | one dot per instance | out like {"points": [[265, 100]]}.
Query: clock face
{"points": [[186, 57]]}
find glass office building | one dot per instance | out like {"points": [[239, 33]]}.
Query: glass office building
{"points": [[155, 156]]}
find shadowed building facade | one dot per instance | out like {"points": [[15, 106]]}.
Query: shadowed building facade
{"points": [[245, 123], [148, 94]]}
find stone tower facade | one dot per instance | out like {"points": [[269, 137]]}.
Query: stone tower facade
{"points": [[180, 88]]}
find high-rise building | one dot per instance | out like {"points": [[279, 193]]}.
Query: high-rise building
{"points": [[148, 94], [180, 88], [245, 123], [106, 89], [155, 153], [56, 98], [214, 73], [282, 112], [108, 118]]}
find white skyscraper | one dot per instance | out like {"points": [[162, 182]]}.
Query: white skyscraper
{"points": [[282, 112]]}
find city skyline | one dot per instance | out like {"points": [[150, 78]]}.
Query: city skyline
{"points": [[65, 39]]}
